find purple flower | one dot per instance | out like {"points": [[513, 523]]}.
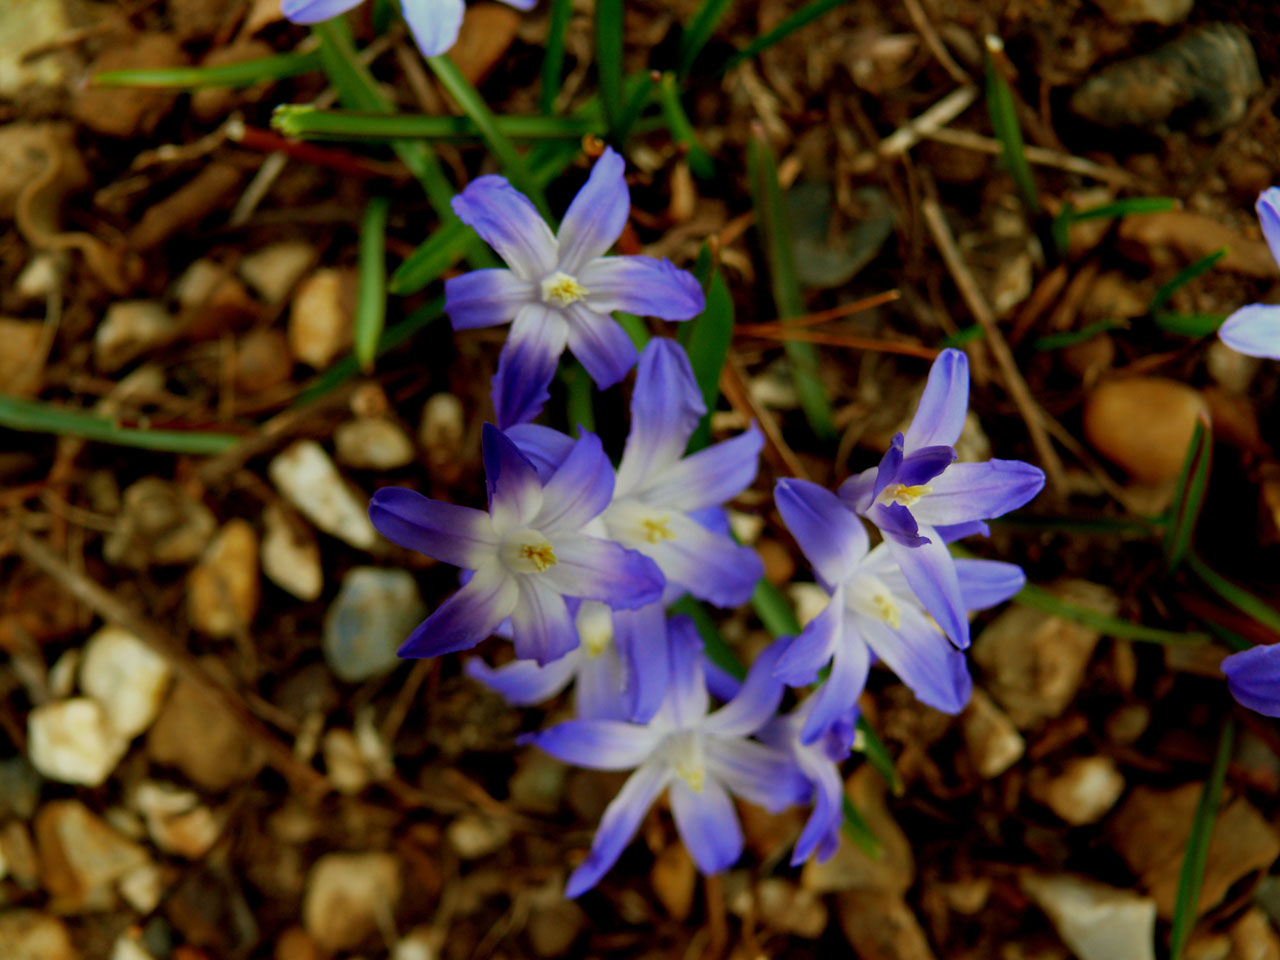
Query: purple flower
{"points": [[700, 757], [1255, 329], [874, 610], [1253, 677], [528, 552], [434, 23], [921, 499], [560, 290]]}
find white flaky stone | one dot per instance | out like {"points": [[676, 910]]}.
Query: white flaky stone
{"points": [[126, 677], [73, 741], [308, 479]]}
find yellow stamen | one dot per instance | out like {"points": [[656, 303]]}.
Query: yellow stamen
{"points": [[695, 777], [905, 495], [888, 610], [656, 529], [562, 290], [539, 554]]}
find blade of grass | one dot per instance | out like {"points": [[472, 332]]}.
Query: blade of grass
{"points": [[553, 55], [306, 122], [244, 74], [1192, 325], [609, 17], [775, 233], [801, 18], [1189, 494], [32, 416], [713, 644], [431, 258], [961, 337], [1069, 338], [706, 340], [1238, 597], [635, 100], [773, 610], [1181, 279], [859, 831], [1041, 599], [468, 98], [877, 754], [1187, 903], [682, 131], [371, 303], [1127, 207], [579, 398], [1004, 122], [697, 32]]}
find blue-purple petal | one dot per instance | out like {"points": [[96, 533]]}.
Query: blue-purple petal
{"points": [[710, 477], [923, 659], [508, 222], [708, 824], [931, 571], [666, 406], [579, 490], [984, 583], [542, 628], [598, 688], [978, 491], [831, 537], [523, 683], [451, 534], [837, 698], [598, 744], [765, 776], [821, 833], [515, 492], [603, 570], [544, 447], [940, 416], [951, 532], [619, 824], [708, 565], [1254, 331], [641, 639], [887, 471], [527, 364], [1268, 208], [642, 285], [467, 617], [757, 699], [484, 298], [897, 523], [596, 217], [600, 344], [433, 23], [809, 652], [315, 11], [1253, 677], [924, 464], [687, 698]]}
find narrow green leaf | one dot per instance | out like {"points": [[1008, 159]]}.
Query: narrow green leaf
{"points": [[1226, 635], [1060, 228], [801, 18], [682, 131], [1127, 207], [244, 74], [635, 99], [773, 610], [962, 337], [706, 340], [634, 328], [431, 258], [1187, 903], [1182, 278], [579, 397], [306, 122], [775, 233], [1069, 338], [1041, 599], [371, 304], [1004, 122], [1238, 597], [609, 27], [877, 754], [553, 55], [468, 98], [859, 831], [1189, 494], [713, 644], [698, 31], [1192, 325], [32, 416]]}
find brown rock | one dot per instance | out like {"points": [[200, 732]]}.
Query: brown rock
{"points": [[348, 896], [20, 356], [31, 935], [1254, 938], [1085, 789], [486, 33], [789, 909], [213, 103], [19, 854], [296, 944], [290, 553], [158, 524], [1150, 831], [207, 191], [880, 926], [993, 742], [1095, 921], [263, 360], [1143, 424], [674, 880], [213, 301], [129, 111], [224, 589], [850, 869], [553, 926], [81, 857], [1033, 661], [1175, 238], [195, 733], [320, 318], [193, 19]]}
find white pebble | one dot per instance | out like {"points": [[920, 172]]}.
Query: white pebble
{"points": [[72, 741], [126, 677]]}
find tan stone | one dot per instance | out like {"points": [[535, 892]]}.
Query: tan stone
{"points": [[1143, 425]]}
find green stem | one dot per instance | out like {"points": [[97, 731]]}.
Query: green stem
{"points": [[244, 74], [371, 306]]}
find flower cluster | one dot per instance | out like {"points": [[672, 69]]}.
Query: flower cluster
{"points": [[577, 563], [434, 23]]}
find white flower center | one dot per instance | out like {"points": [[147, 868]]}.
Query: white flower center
{"points": [[527, 551], [869, 597], [903, 494], [595, 628], [684, 752], [562, 289]]}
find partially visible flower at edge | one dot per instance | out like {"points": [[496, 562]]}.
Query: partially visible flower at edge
{"points": [[434, 23], [1253, 677], [529, 552], [1255, 330], [701, 757], [560, 290]]}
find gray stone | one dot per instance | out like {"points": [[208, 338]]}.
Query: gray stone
{"points": [[374, 612]]}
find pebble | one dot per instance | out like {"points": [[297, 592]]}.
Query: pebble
{"points": [[1143, 425], [213, 300], [126, 677], [24, 26], [129, 329], [210, 911], [343, 764], [32, 935], [1254, 938], [275, 269], [674, 880], [372, 443], [786, 908], [992, 740], [20, 356], [143, 887], [349, 896], [1097, 922], [290, 554], [307, 478], [473, 836], [421, 943], [442, 432], [19, 788], [1172, 239], [829, 258], [1083, 792], [176, 820], [223, 589], [160, 524], [880, 926], [263, 360], [1146, 11], [195, 734], [81, 857], [374, 612], [20, 854], [1231, 371], [41, 275], [321, 317], [129, 947], [1034, 661], [72, 741], [296, 944], [850, 869], [487, 31], [555, 925], [129, 111]]}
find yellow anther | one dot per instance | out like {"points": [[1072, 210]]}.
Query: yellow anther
{"points": [[562, 290], [656, 529], [539, 554], [695, 777], [905, 495], [888, 610]]}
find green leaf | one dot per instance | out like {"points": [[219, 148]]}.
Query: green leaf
{"points": [[859, 831], [1069, 338], [432, 258], [1004, 122], [306, 122], [706, 340], [1189, 494], [371, 304], [244, 74], [553, 55], [713, 644], [773, 610], [1187, 904], [961, 337], [634, 328], [1192, 325], [878, 756], [32, 416], [580, 398], [775, 233], [1041, 599], [1238, 597], [1127, 207], [801, 18], [1181, 279], [609, 27], [682, 131], [473, 105], [698, 31]]}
